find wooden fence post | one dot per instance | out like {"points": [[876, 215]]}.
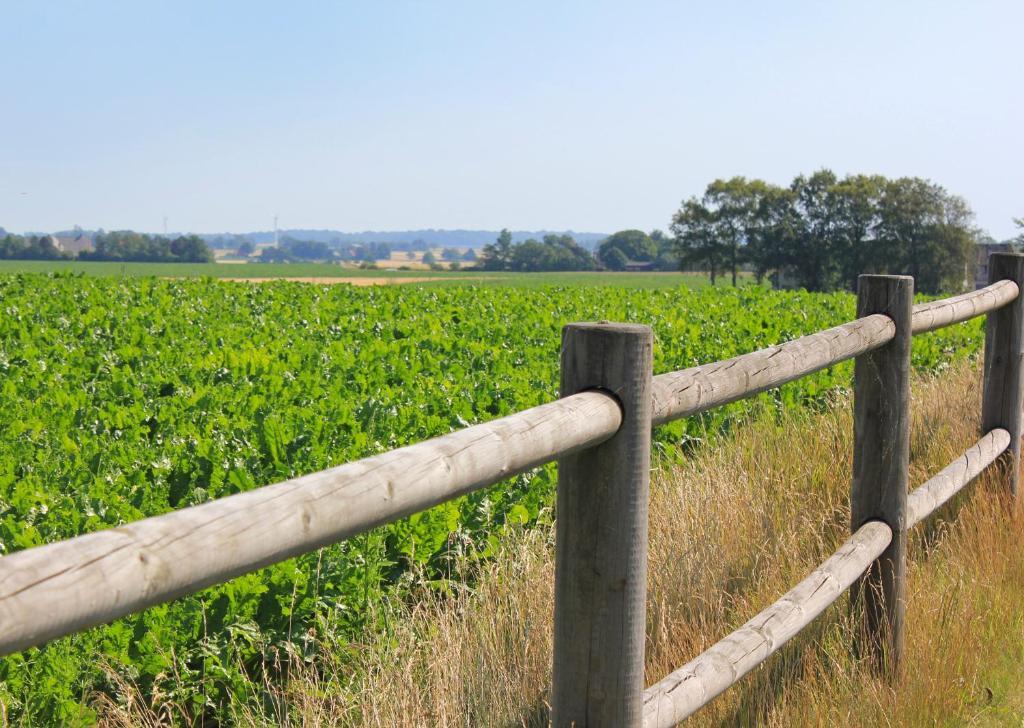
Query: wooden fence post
{"points": [[881, 458], [1003, 391], [601, 536]]}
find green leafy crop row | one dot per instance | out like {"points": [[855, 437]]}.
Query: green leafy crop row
{"points": [[126, 398]]}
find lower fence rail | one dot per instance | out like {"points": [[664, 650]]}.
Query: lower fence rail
{"points": [[685, 691], [697, 683], [933, 494]]}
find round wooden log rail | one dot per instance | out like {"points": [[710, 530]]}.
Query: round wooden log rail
{"points": [[930, 496], [700, 388], [60, 588], [697, 389], [698, 682], [938, 314]]}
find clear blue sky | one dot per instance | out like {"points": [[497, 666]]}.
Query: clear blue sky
{"points": [[579, 115]]}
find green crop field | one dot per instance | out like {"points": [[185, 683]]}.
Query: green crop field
{"points": [[327, 270], [124, 397]]}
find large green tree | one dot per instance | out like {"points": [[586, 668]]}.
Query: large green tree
{"points": [[926, 233], [727, 227], [697, 244]]}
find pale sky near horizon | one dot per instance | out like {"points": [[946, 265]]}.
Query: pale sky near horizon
{"points": [[590, 116]]}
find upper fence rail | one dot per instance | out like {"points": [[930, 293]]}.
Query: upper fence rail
{"points": [[60, 588]]}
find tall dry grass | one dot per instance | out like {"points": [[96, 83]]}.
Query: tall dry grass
{"points": [[731, 530]]}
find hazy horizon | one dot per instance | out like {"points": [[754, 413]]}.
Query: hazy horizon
{"points": [[580, 116]]}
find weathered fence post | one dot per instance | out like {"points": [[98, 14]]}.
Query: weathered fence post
{"points": [[601, 536], [881, 457], [1003, 389]]}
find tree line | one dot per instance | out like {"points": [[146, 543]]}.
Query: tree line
{"points": [[821, 231], [121, 245], [129, 246], [645, 251], [30, 247]]}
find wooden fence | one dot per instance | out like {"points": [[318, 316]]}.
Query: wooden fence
{"points": [[600, 431]]}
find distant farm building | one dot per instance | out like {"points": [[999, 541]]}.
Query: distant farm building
{"points": [[981, 261], [72, 244], [639, 267]]}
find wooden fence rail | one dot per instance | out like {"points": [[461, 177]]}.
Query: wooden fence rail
{"points": [[600, 433]]}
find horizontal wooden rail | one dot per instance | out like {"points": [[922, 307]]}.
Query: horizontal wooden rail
{"points": [[697, 389], [687, 392], [938, 314], [60, 588], [930, 496], [698, 682]]}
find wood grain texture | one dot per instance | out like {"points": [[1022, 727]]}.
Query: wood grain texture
{"points": [[689, 391], [937, 490], [601, 536], [1003, 388], [698, 682], [881, 460], [947, 311], [53, 590]]}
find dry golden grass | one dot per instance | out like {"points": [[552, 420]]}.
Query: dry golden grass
{"points": [[731, 530]]}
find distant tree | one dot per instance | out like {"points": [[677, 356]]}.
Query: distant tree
{"points": [[273, 254], [614, 259], [411, 255], [733, 204], [190, 249], [498, 255], [429, 258], [666, 258], [246, 248], [771, 230], [818, 256], [696, 243], [635, 245], [450, 254], [927, 233], [469, 256], [378, 251], [307, 249]]}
